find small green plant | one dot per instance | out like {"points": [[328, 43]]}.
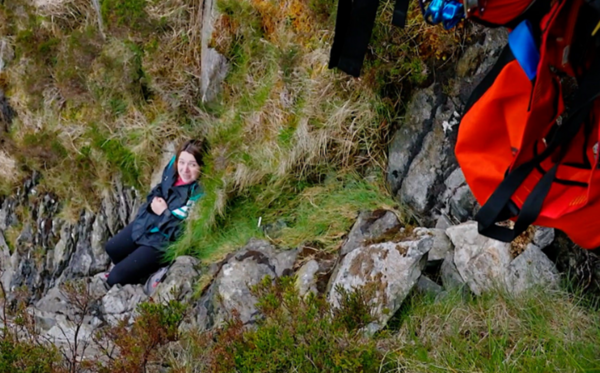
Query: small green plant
{"points": [[17, 356], [355, 310], [21, 348], [156, 325], [537, 331], [128, 13], [294, 334], [315, 210]]}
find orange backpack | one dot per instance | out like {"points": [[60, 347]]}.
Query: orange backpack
{"points": [[524, 156]]}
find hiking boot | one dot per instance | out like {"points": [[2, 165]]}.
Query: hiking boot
{"points": [[154, 280]]}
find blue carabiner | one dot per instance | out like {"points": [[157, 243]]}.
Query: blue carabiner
{"points": [[447, 12]]}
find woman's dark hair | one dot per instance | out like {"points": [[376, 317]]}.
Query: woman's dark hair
{"points": [[197, 148]]}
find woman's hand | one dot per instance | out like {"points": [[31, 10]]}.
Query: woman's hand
{"points": [[158, 205]]}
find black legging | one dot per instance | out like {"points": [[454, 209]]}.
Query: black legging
{"points": [[132, 262]]}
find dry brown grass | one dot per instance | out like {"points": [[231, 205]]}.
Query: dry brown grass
{"points": [[8, 168]]}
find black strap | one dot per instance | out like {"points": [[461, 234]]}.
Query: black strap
{"points": [[355, 20], [490, 212], [400, 13], [342, 24], [353, 28], [594, 4]]}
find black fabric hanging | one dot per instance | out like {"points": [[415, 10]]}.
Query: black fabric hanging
{"points": [[353, 29]]}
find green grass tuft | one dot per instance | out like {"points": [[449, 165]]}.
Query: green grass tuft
{"points": [[537, 331], [320, 213]]}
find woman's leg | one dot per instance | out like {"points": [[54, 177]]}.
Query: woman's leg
{"points": [[141, 263], [121, 245]]}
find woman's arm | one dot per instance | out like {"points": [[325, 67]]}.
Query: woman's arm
{"points": [[172, 220], [157, 190]]}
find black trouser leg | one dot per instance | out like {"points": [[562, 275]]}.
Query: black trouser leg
{"points": [[142, 262], [121, 245]]}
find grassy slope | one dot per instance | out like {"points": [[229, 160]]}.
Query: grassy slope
{"points": [[538, 331], [284, 132], [292, 143]]}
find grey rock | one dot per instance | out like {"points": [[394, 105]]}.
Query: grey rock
{"points": [[531, 269], [479, 57], [470, 60], [8, 273], [5, 262], [457, 201], [54, 302], [6, 54], [441, 245], [406, 141], [495, 40], [110, 208], [89, 257], [44, 320], [427, 286], [455, 180], [179, 281], [121, 302], [7, 213], [443, 222], [462, 204], [489, 50], [486, 264], [214, 66], [25, 240], [369, 226], [230, 290], [64, 332], [28, 265], [97, 286], [482, 262], [61, 254], [100, 234], [306, 281], [543, 237], [418, 186], [451, 278], [392, 267], [284, 261]]}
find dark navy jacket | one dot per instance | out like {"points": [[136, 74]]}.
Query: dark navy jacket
{"points": [[157, 231]]}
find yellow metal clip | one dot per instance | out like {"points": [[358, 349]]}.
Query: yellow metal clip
{"points": [[596, 29]]}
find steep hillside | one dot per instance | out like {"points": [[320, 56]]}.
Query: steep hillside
{"points": [[101, 90]]}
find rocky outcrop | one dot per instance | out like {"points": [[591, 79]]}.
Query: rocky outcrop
{"points": [[387, 272], [485, 264], [406, 142], [379, 256], [48, 249], [213, 65], [230, 292], [307, 278], [178, 284], [422, 171], [368, 227]]}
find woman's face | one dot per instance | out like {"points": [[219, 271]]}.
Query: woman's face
{"points": [[187, 167]]}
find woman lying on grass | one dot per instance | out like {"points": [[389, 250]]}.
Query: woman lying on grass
{"points": [[138, 250]]}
